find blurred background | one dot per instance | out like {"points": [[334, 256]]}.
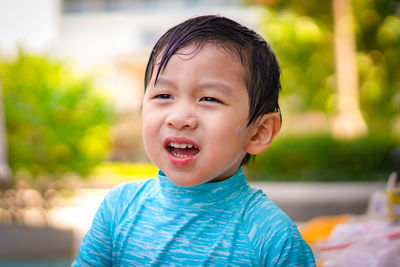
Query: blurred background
{"points": [[71, 80]]}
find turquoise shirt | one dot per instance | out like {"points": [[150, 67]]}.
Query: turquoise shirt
{"points": [[157, 223]]}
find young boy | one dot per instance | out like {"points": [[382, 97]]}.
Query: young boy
{"points": [[211, 101]]}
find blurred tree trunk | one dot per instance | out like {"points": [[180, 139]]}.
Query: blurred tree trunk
{"points": [[5, 172], [349, 122]]}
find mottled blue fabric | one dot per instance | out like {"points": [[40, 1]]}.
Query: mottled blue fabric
{"points": [[157, 223]]}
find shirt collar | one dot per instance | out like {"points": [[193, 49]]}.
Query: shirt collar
{"points": [[202, 195]]}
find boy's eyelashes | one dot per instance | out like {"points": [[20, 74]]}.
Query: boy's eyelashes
{"points": [[204, 98], [164, 96], [210, 99]]}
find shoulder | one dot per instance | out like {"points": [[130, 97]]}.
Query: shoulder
{"points": [[97, 245], [258, 209], [123, 198], [262, 218], [272, 234], [131, 190]]}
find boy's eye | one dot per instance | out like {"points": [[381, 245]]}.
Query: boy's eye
{"points": [[163, 96], [210, 99]]}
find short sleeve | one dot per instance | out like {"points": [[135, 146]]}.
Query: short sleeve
{"points": [[290, 250]]}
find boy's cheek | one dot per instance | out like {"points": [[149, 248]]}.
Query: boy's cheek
{"points": [[148, 132], [149, 115], [240, 128], [148, 142], [144, 108]]}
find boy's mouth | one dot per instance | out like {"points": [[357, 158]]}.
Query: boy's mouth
{"points": [[182, 150]]}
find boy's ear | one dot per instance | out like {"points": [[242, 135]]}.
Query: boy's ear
{"points": [[265, 129]]}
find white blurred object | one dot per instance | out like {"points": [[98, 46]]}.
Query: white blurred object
{"points": [[377, 206], [31, 25]]}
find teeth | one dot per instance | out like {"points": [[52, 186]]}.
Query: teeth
{"points": [[182, 146], [178, 155]]}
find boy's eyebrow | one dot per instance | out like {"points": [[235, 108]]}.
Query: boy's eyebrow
{"points": [[224, 88], [164, 81], [215, 84]]}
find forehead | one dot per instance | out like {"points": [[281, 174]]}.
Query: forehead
{"points": [[210, 50], [224, 48]]}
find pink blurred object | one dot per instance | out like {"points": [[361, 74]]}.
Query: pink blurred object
{"points": [[367, 244]]}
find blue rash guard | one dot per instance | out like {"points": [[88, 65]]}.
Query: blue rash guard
{"points": [[157, 223]]}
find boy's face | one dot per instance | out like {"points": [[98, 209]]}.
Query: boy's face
{"points": [[195, 117]]}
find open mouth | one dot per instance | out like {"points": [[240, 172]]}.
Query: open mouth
{"points": [[182, 150]]}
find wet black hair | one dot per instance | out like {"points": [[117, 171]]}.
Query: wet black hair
{"points": [[261, 67]]}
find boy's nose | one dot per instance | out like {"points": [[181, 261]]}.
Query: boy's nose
{"points": [[182, 120]]}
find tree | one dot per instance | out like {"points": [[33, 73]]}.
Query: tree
{"points": [[302, 34], [56, 122], [349, 122]]}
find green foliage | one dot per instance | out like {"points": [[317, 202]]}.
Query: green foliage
{"points": [[378, 44], [304, 49], [55, 121], [301, 33], [322, 158]]}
